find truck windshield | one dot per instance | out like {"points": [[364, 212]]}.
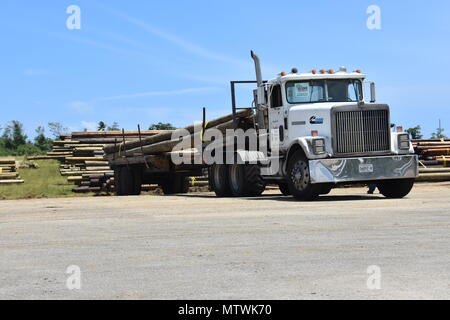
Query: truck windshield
{"points": [[340, 90]]}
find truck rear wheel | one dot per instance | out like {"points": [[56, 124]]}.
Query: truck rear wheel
{"points": [[246, 180], [299, 178], [218, 179], [396, 189]]}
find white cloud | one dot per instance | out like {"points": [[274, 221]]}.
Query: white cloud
{"points": [[179, 42]]}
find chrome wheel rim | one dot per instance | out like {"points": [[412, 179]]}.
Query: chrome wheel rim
{"points": [[300, 175]]}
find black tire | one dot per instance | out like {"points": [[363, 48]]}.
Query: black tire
{"points": [[284, 188], [254, 180], [117, 181], [395, 189], [245, 180], [175, 183], [137, 181], [167, 187], [126, 181], [219, 180], [325, 188], [299, 178]]}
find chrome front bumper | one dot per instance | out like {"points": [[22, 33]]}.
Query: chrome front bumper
{"points": [[363, 169]]}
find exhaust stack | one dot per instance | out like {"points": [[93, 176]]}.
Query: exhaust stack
{"points": [[257, 68]]}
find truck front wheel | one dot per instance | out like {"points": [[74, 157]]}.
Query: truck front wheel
{"points": [[284, 188], [299, 178], [395, 189]]}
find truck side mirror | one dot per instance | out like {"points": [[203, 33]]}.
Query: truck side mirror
{"points": [[373, 95]]}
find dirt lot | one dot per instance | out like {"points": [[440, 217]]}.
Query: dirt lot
{"points": [[200, 247]]}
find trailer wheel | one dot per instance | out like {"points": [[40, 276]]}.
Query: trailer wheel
{"points": [[246, 180], [125, 182], [299, 178], [284, 188], [218, 178], [175, 183], [137, 181], [396, 189], [117, 181]]}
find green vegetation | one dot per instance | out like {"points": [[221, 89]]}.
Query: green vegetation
{"points": [[439, 134], [161, 126], [14, 142], [44, 182], [415, 132], [102, 126]]}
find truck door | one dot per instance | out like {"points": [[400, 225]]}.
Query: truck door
{"points": [[277, 124]]}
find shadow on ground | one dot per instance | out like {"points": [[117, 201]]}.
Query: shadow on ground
{"points": [[327, 198]]}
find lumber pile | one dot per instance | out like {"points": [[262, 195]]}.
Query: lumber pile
{"points": [[434, 159], [8, 172], [81, 156], [163, 142]]}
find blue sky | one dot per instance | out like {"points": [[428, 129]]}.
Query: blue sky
{"points": [[141, 62]]}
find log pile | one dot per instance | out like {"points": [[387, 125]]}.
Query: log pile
{"points": [[163, 142], [434, 159], [81, 156], [8, 172]]}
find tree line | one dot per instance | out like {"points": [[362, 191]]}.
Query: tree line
{"points": [[14, 141]]}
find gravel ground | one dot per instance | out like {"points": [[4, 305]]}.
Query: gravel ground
{"points": [[197, 246]]}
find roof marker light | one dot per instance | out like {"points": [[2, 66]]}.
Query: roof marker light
{"points": [[322, 71], [314, 133], [331, 71], [313, 71]]}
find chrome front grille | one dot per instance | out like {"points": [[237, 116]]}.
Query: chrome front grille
{"points": [[362, 131]]}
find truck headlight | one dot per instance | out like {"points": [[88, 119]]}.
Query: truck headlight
{"points": [[318, 146], [403, 141]]}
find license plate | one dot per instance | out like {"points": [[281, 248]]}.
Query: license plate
{"points": [[366, 168]]}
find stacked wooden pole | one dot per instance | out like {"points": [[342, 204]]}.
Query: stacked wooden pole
{"points": [[81, 156], [434, 157], [164, 142], [8, 172]]}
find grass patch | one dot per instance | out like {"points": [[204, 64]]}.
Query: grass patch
{"points": [[44, 182]]}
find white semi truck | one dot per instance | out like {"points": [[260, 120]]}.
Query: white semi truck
{"points": [[321, 129]]}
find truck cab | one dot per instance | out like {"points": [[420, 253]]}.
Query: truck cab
{"points": [[328, 131]]}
